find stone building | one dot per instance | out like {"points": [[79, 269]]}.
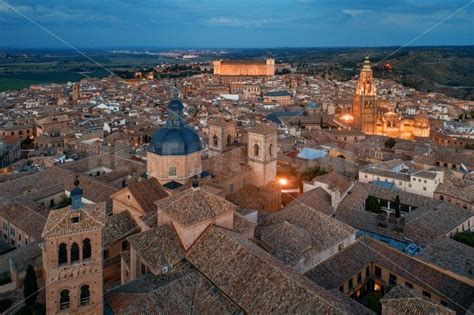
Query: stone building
{"points": [[72, 257], [245, 67], [222, 135], [369, 118], [262, 153], [174, 152]]}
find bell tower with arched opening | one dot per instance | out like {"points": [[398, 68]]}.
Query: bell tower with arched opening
{"points": [[222, 135], [262, 153], [72, 257], [364, 107]]}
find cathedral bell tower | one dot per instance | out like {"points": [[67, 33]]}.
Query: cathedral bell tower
{"points": [[364, 107], [72, 257], [222, 135], [262, 153]]}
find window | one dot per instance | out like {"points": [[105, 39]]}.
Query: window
{"points": [[256, 150], [341, 246], [444, 303], [5, 227], [74, 253], [19, 236], [392, 279], [351, 285], [64, 300], [408, 285], [62, 254], [106, 254], [12, 231], [85, 295], [270, 150], [427, 294], [75, 219], [229, 140], [142, 269], [359, 277], [424, 188], [378, 272], [441, 197], [215, 140], [172, 171], [341, 288], [86, 249], [367, 271]]}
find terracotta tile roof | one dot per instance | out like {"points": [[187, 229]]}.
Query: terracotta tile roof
{"points": [[24, 218], [298, 228], [242, 224], [316, 198], [59, 223], [158, 247], [254, 279], [227, 164], [450, 255], [118, 226], [248, 197], [263, 129], [435, 220], [402, 300], [184, 291], [192, 206], [334, 180], [219, 121], [146, 192], [463, 190], [340, 267]]}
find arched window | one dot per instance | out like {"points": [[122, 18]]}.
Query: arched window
{"points": [[62, 254], [85, 295], [86, 249], [74, 253], [256, 150], [270, 149], [64, 300], [215, 140], [229, 140]]}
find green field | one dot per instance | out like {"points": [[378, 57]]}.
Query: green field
{"points": [[20, 80]]}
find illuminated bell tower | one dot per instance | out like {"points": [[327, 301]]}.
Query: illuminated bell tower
{"points": [[364, 107]]}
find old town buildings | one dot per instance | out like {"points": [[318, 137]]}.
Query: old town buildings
{"points": [[239, 192]]}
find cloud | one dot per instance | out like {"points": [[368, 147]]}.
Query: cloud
{"points": [[226, 21], [355, 12]]}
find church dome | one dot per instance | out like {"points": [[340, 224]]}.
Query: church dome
{"points": [[176, 138]]}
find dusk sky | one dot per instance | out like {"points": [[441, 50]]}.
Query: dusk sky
{"points": [[239, 23]]}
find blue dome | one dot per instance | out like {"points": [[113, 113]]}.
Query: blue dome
{"points": [[176, 138], [175, 141]]}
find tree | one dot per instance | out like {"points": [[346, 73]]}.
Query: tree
{"points": [[390, 143], [373, 302], [311, 172], [396, 206], [372, 204], [30, 286]]}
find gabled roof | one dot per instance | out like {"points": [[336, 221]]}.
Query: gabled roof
{"points": [[146, 192], [59, 223], [184, 291], [255, 280], [158, 247], [193, 206], [340, 267], [24, 218], [118, 226]]}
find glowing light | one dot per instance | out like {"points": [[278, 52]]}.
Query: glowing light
{"points": [[347, 117], [377, 287], [283, 181]]}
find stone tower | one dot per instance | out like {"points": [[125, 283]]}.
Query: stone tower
{"points": [[222, 135], [72, 257], [75, 92], [364, 107], [262, 153]]}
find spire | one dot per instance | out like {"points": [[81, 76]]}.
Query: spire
{"points": [[76, 195], [366, 65]]}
